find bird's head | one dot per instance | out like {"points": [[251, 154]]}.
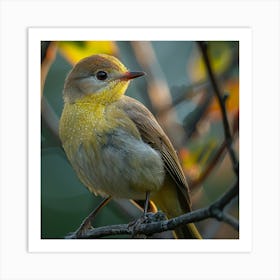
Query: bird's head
{"points": [[101, 77]]}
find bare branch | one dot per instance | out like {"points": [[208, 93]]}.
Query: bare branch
{"points": [[213, 163], [155, 223], [228, 219], [221, 100], [49, 117], [48, 54]]}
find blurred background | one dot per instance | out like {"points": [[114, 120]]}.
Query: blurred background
{"points": [[177, 91]]}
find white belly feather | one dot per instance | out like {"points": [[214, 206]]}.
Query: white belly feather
{"points": [[123, 167]]}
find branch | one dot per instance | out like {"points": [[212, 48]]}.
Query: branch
{"points": [[158, 91], [48, 53], [156, 223], [49, 118], [219, 153], [221, 101], [184, 92]]}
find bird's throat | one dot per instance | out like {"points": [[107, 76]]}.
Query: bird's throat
{"points": [[107, 95]]}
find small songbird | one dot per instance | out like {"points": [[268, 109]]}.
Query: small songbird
{"points": [[114, 143]]}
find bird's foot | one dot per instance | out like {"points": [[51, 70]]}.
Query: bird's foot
{"points": [[146, 218]]}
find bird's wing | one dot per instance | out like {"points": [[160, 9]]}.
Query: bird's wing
{"points": [[152, 134]]}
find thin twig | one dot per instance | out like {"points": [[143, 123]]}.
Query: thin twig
{"points": [[48, 54], [49, 118], [221, 101], [213, 163], [158, 91], [181, 93]]}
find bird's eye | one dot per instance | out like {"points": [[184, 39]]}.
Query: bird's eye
{"points": [[101, 75]]}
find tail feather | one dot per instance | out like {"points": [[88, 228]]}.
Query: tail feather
{"points": [[188, 231], [174, 204]]}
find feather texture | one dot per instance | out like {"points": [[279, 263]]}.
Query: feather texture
{"points": [[173, 198]]}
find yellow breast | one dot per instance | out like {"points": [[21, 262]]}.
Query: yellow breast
{"points": [[107, 152]]}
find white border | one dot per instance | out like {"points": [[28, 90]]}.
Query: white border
{"points": [[243, 35], [263, 260]]}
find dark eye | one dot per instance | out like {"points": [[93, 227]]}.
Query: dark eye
{"points": [[101, 75]]}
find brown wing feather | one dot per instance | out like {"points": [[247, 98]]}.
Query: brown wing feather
{"points": [[152, 133]]}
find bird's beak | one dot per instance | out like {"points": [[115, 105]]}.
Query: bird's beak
{"points": [[131, 75]]}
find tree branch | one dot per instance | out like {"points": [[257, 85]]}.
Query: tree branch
{"points": [[155, 222], [213, 163], [221, 101]]}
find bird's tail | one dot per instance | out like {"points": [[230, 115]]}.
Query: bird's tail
{"points": [[173, 204]]}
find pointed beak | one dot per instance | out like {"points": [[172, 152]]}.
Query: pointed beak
{"points": [[131, 75]]}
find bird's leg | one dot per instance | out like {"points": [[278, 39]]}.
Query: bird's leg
{"points": [[146, 203], [86, 224], [140, 205], [146, 218]]}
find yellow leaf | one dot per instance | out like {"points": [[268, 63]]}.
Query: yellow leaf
{"points": [[74, 51], [220, 54]]}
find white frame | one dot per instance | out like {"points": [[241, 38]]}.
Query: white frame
{"points": [[262, 262], [243, 35]]}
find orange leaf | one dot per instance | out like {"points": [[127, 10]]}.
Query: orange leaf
{"points": [[232, 103]]}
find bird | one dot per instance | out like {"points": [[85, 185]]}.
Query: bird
{"points": [[115, 144]]}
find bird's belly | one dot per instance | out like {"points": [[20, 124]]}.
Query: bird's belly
{"points": [[119, 165]]}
